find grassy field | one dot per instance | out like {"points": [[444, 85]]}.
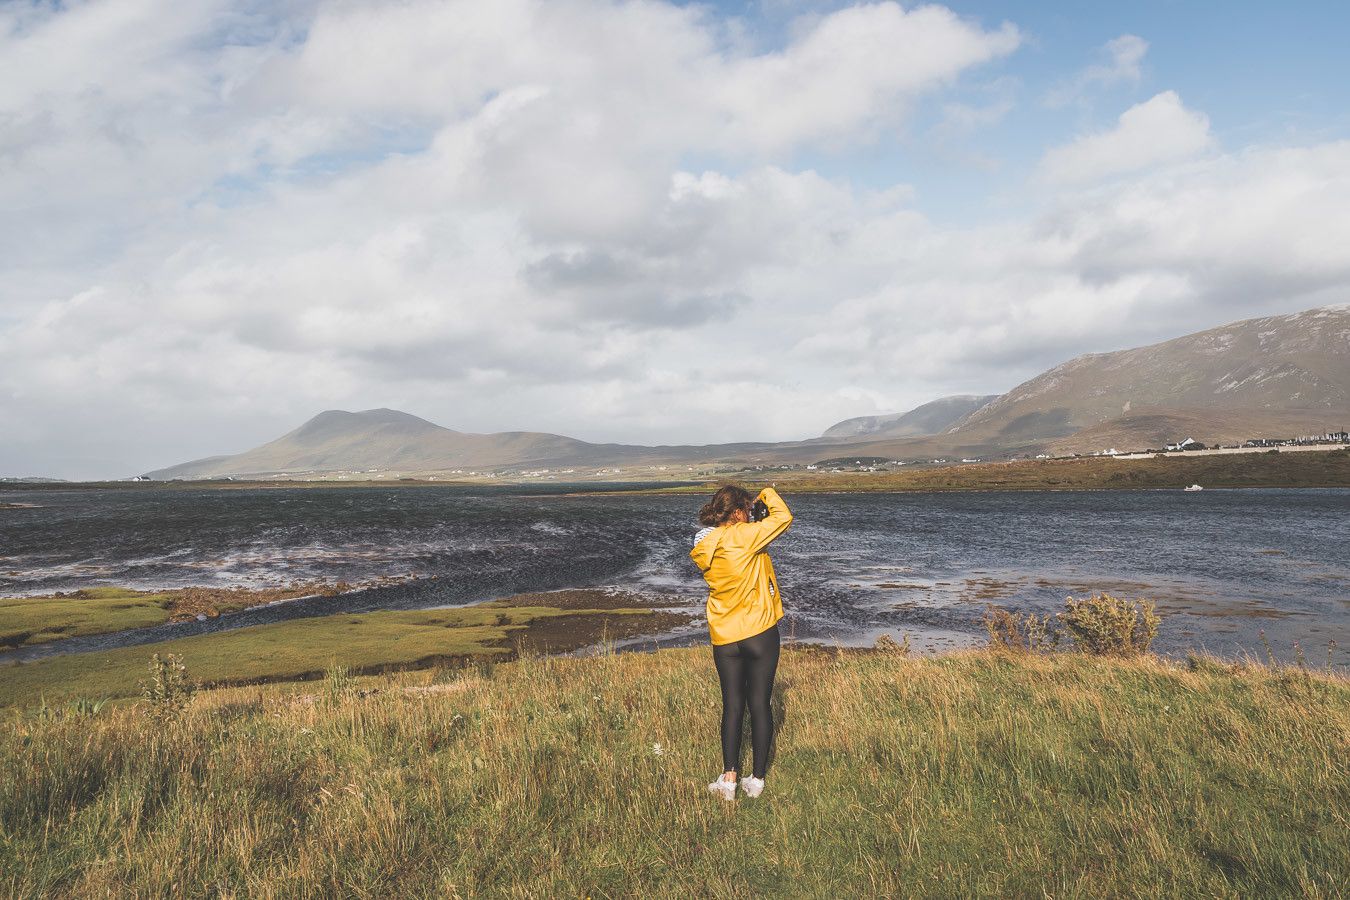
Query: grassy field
{"points": [[1304, 469], [972, 774], [35, 620], [363, 642], [99, 610]]}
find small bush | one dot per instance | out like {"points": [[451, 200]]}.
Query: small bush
{"points": [[1020, 634], [168, 690], [1100, 625], [888, 644], [1109, 626]]}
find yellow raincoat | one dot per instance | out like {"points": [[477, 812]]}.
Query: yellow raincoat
{"points": [[743, 597]]}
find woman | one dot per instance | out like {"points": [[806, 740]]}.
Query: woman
{"points": [[744, 607]]}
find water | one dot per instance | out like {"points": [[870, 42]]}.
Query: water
{"points": [[1223, 566]]}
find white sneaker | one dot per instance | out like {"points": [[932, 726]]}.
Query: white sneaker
{"points": [[752, 786], [726, 788]]}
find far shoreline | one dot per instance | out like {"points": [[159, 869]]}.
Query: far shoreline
{"points": [[1308, 468]]}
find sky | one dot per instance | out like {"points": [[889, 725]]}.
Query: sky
{"points": [[645, 222]]}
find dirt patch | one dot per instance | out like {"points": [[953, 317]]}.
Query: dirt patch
{"points": [[561, 634], [585, 598], [188, 603]]}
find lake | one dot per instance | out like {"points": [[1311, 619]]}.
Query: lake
{"points": [[1222, 565]]}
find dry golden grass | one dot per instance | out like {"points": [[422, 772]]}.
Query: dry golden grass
{"points": [[973, 774]]}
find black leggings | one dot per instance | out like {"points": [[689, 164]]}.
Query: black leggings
{"points": [[746, 669]]}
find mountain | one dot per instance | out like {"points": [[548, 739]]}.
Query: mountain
{"points": [[1274, 374], [932, 418], [388, 440], [1279, 376], [381, 439]]}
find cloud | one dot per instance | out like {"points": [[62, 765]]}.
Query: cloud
{"points": [[1121, 65], [1159, 130], [576, 216]]}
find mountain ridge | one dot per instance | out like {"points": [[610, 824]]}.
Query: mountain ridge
{"points": [[1282, 375]]}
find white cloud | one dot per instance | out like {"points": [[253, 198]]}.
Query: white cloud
{"points": [[1122, 57], [574, 216], [1159, 130]]}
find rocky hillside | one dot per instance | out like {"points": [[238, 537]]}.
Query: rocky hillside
{"points": [[1283, 374]]}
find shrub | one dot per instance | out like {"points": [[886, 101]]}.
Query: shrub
{"points": [[168, 690], [1106, 625], [888, 644], [1027, 633], [1100, 625]]}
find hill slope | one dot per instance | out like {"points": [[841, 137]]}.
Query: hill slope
{"points": [[930, 418], [1278, 373]]}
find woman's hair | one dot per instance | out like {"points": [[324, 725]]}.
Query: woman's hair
{"points": [[724, 503]]}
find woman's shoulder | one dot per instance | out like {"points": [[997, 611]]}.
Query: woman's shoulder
{"points": [[704, 532]]}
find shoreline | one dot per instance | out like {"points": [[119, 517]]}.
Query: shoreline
{"points": [[568, 622], [1291, 467]]}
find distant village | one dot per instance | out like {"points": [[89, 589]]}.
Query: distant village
{"points": [[1328, 439], [1189, 444]]}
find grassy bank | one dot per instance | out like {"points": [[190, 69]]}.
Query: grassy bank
{"points": [[966, 775], [100, 610], [1239, 470], [36, 620], [363, 642]]}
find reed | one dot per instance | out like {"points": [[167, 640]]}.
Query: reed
{"points": [[970, 774]]}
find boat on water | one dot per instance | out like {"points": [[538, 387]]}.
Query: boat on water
{"points": [[1194, 487]]}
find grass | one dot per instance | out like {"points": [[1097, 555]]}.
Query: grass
{"points": [[972, 774], [35, 620], [100, 610], [304, 648], [1237, 470]]}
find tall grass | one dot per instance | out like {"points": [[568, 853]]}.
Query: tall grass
{"points": [[963, 775]]}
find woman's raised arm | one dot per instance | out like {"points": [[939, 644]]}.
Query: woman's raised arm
{"points": [[772, 525]]}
